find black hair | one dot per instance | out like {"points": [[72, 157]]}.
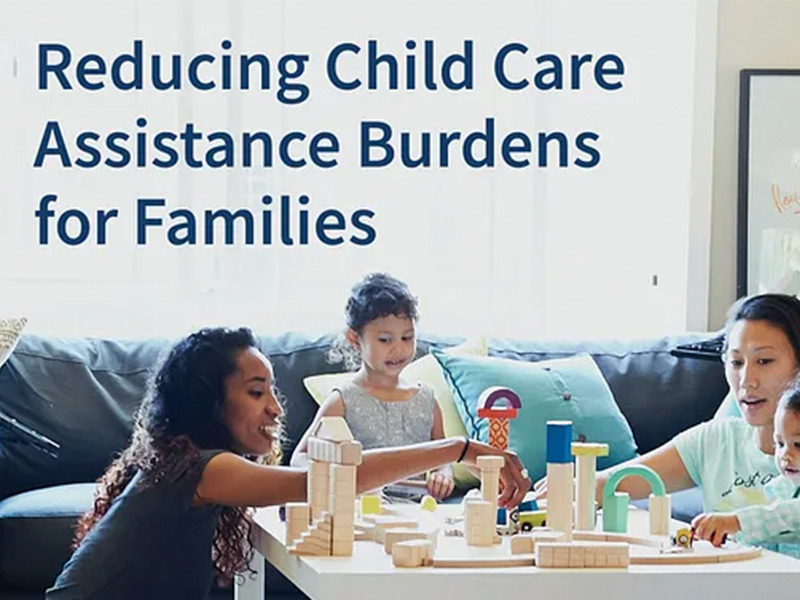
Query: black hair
{"points": [[779, 310], [376, 295], [790, 399], [188, 391]]}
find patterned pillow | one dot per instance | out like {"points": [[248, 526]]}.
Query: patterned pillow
{"points": [[10, 330]]}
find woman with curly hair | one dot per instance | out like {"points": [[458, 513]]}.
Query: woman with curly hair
{"points": [[170, 512]]}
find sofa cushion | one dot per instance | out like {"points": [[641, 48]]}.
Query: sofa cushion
{"points": [[659, 394], [569, 389], [36, 530], [81, 394]]}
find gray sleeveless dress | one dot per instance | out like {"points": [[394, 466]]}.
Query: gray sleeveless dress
{"points": [[378, 424]]}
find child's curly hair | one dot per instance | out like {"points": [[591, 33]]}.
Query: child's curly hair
{"points": [[182, 414], [377, 295]]}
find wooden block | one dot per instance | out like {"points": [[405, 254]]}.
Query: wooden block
{"points": [[479, 525], [589, 449], [370, 505], [325, 522], [306, 551], [297, 511], [334, 429], [364, 536], [561, 553], [585, 476], [544, 556], [659, 514], [546, 537], [559, 498], [412, 553], [321, 450], [380, 530], [297, 520], [318, 468], [364, 531], [310, 546], [392, 536], [342, 547], [343, 528], [484, 562], [343, 473], [522, 544], [322, 537], [576, 556], [349, 453], [490, 462]]}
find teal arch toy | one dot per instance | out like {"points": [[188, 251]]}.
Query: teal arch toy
{"points": [[615, 504]]}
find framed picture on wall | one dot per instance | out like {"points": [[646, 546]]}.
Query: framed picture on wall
{"points": [[768, 244]]}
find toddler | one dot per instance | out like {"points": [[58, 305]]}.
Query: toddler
{"points": [[775, 526]]}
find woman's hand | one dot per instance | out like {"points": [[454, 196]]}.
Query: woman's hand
{"points": [[440, 483], [715, 527], [514, 479]]}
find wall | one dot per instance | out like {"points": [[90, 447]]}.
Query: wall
{"points": [[751, 34]]}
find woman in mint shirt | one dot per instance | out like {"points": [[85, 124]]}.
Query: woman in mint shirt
{"points": [[731, 458]]}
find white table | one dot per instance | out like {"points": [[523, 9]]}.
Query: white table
{"points": [[369, 574]]}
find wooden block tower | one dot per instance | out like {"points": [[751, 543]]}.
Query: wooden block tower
{"points": [[334, 457], [500, 405], [480, 516], [559, 477], [585, 477]]}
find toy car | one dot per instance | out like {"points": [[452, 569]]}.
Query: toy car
{"points": [[682, 538], [532, 518]]}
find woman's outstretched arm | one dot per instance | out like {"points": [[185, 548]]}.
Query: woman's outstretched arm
{"points": [[231, 480]]}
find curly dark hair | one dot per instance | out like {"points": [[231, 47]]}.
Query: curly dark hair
{"points": [[182, 414], [377, 295], [779, 310]]}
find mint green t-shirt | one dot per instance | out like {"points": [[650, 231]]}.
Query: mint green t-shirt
{"points": [[722, 457]]}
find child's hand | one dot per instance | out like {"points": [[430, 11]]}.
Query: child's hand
{"points": [[715, 527], [441, 483]]}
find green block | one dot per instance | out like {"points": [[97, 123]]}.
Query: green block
{"points": [[615, 513]]}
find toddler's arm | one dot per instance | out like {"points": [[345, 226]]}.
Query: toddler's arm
{"points": [[778, 521], [715, 527]]}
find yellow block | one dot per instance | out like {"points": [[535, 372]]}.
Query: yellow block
{"points": [[582, 449], [370, 505], [428, 503]]}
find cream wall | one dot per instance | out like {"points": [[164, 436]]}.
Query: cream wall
{"points": [[751, 34]]}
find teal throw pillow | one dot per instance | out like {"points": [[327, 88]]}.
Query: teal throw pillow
{"points": [[570, 389]]}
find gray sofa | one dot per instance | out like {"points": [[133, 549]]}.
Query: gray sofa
{"points": [[82, 393]]}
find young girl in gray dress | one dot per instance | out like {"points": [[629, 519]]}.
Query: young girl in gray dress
{"points": [[380, 408]]}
